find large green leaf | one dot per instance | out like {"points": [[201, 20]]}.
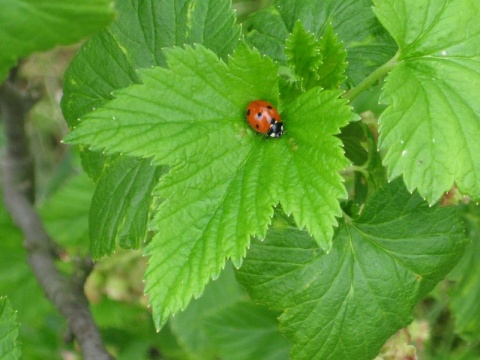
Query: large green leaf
{"points": [[346, 304], [432, 125], [30, 25], [109, 61], [366, 42], [9, 346], [225, 177]]}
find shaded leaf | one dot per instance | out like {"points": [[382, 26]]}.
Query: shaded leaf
{"points": [[464, 296], [45, 24], [122, 219], [189, 326], [347, 303], [366, 42], [244, 331], [65, 214]]}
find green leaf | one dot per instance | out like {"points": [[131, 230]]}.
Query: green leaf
{"points": [[65, 214], [9, 346], [303, 56], [120, 205], [137, 40], [134, 41], [366, 42], [189, 326], [246, 331], [316, 62], [331, 72], [353, 138], [29, 25], [347, 303], [432, 125], [220, 192]]}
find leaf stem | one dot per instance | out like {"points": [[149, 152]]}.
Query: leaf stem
{"points": [[355, 168], [371, 79]]}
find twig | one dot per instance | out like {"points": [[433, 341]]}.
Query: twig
{"points": [[18, 193]]}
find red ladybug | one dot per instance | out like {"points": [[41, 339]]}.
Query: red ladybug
{"points": [[264, 118]]}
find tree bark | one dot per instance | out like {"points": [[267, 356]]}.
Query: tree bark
{"points": [[18, 184]]}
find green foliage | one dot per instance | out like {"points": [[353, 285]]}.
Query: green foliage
{"points": [[465, 305], [121, 219], [367, 44], [432, 124], [157, 103], [222, 323], [29, 25], [40, 327], [332, 71], [217, 193], [229, 183], [65, 213], [9, 346], [380, 266], [245, 331], [136, 40], [315, 62], [131, 43], [303, 56], [191, 326]]}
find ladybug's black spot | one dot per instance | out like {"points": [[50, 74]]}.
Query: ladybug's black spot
{"points": [[257, 126], [269, 107], [259, 114], [248, 112]]}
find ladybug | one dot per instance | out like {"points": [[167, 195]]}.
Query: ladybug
{"points": [[264, 118]]}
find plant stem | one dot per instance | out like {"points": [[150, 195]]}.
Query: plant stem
{"points": [[18, 194], [371, 79]]}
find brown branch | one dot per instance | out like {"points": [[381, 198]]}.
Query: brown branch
{"points": [[18, 192]]}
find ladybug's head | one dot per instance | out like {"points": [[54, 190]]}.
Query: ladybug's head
{"points": [[276, 130]]}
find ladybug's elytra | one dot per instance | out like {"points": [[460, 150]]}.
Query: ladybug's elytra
{"points": [[264, 118]]}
